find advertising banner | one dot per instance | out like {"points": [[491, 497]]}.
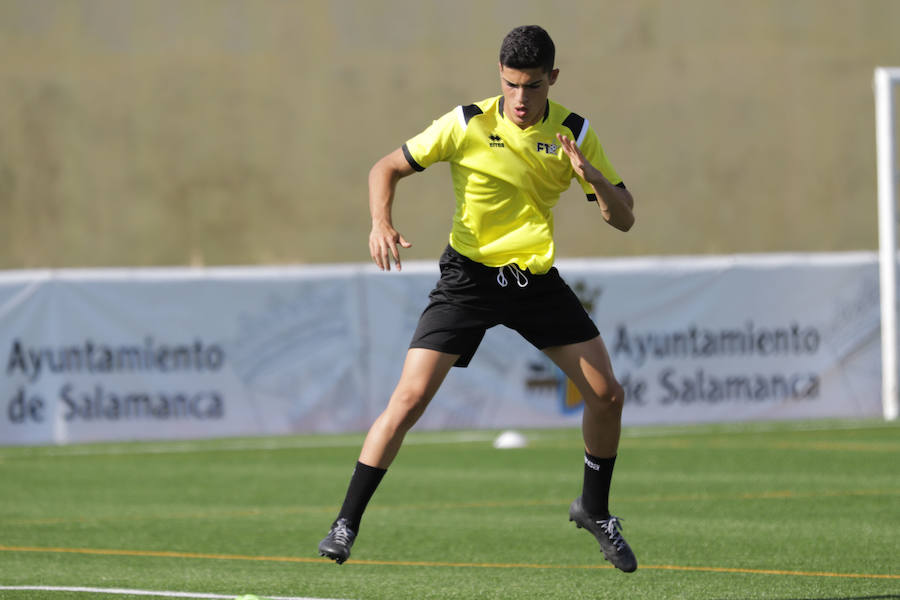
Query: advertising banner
{"points": [[113, 355], [181, 353], [725, 339]]}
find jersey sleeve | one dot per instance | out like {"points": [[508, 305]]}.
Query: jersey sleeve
{"points": [[437, 143], [593, 151]]}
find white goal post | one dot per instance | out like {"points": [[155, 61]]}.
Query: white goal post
{"points": [[885, 80]]}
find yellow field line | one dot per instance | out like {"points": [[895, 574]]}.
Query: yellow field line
{"points": [[775, 572], [403, 563]]}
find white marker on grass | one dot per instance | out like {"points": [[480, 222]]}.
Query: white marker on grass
{"points": [[510, 439]]}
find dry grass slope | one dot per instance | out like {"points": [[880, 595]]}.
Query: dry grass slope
{"points": [[241, 133]]}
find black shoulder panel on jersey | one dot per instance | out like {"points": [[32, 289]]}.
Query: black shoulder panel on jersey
{"points": [[575, 123], [469, 111], [412, 162]]}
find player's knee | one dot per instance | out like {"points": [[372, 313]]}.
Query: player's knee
{"points": [[406, 406], [606, 396]]}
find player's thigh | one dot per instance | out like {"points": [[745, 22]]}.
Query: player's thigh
{"points": [[588, 365], [423, 372]]}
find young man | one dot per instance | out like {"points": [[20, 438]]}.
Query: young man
{"points": [[510, 157]]}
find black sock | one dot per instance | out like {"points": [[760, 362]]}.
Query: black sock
{"points": [[363, 483], [595, 491]]}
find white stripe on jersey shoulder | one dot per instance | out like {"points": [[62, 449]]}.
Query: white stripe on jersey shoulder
{"points": [[461, 117], [466, 113], [584, 129]]}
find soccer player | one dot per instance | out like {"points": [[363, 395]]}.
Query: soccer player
{"points": [[510, 158]]}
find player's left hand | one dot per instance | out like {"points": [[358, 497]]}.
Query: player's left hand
{"points": [[580, 164]]}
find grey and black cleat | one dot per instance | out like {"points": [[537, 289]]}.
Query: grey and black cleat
{"points": [[608, 532], [338, 542]]}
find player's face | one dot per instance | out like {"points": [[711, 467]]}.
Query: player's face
{"points": [[525, 93]]}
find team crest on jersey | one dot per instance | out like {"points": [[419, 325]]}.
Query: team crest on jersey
{"points": [[496, 141], [547, 148]]}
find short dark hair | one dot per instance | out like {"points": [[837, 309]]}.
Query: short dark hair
{"points": [[528, 47]]}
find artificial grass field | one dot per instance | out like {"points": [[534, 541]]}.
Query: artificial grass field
{"points": [[786, 511]]}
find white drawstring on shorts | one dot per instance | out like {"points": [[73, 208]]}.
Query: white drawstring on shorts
{"points": [[518, 275]]}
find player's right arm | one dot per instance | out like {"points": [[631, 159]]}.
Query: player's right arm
{"points": [[437, 143], [383, 238]]}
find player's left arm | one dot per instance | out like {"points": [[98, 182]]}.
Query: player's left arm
{"points": [[615, 202]]}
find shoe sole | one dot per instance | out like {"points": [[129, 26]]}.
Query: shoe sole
{"points": [[335, 557]]}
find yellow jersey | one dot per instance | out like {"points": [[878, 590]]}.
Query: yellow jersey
{"points": [[507, 179]]}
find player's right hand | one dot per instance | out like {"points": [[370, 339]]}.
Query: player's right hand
{"points": [[383, 241]]}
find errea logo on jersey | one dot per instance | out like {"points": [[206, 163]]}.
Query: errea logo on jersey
{"points": [[496, 141], [547, 148]]}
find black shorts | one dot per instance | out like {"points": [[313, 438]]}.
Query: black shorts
{"points": [[470, 298]]}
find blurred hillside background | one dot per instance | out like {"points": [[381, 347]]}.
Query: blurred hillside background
{"points": [[154, 132]]}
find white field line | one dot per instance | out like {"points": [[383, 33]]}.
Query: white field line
{"points": [[129, 592]]}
